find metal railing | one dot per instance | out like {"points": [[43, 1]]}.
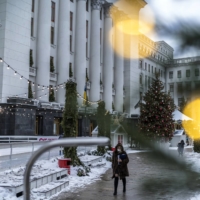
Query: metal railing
{"points": [[19, 148], [11, 151], [25, 138], [69, 142]]}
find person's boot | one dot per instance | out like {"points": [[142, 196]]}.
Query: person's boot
{"points": [[115, 185], [124, 185]]}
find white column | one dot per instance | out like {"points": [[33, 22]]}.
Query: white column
{"points": [[43, 47], [95, 51], [80, 47], [133, 73], [107, 58], [63, 47], [119, 64]]}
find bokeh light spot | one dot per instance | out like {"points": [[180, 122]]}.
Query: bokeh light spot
{"points": [[192, 127], [127, 27]]}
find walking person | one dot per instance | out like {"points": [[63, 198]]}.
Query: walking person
{"points": [[119, 166], [181, 145]]}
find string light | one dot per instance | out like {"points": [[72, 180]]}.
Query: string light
{"points": [[8, 67]]}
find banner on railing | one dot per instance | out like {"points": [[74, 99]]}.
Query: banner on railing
{"points": [[47, 138]]}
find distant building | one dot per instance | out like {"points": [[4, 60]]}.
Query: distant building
{"points": [[47, 42]]}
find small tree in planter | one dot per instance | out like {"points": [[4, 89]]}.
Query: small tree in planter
{"points": [[69, 122], [70, 72], [31, 58], [30, 93], [101, 83], [52, 69], [51, 96]]}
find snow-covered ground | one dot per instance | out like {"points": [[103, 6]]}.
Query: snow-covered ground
{"points": [[16, 175]]}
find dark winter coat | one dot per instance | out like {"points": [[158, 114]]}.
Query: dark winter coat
{"points": [[181, 144], [122, 169]]}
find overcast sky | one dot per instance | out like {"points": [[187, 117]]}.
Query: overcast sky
{"points": [[170, 11]]}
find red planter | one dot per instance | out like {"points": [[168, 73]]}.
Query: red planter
{"points": [[65, 163], [113, 149]]}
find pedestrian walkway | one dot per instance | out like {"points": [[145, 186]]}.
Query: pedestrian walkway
{"points": [[149, 180]]}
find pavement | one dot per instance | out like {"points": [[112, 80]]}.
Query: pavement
{"points": [[150, 179]]}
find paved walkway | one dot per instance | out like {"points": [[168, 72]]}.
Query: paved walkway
{"points": [[149, 180]]}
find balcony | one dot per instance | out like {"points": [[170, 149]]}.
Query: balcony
{"points": [[53, 76], [113, 91], [32, 71], [56, 106], [101, 88], [87, 110], [46, 105]]}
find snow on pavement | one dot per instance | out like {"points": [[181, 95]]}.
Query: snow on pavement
{"points": [[76, 182]]}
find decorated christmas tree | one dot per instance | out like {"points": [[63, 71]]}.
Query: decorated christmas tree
{"points": [[101, 111], [156, 119], [69, 122], [103, 122]]}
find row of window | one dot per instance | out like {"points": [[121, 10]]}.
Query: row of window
{"points": [[187, 87], [188, 73], [51, 67], [149, 68], [152, 54], [53, 9], [153, 44], [71, 29], [148, 80]]}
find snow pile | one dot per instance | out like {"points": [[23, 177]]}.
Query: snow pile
{"points": [[44, 167]]}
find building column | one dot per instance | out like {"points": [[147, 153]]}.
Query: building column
{"points": [[131, 71], [119, 62], [95, 51], [43, 48], [107, 58], [63, 47], [80, 47]]}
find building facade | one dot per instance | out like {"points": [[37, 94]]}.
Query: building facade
{"points": [[43, 43]]}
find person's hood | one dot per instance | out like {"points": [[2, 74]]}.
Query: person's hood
{"points": [[119, 145]]}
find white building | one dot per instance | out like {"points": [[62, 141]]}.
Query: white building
{"points": [[75, 35]]}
